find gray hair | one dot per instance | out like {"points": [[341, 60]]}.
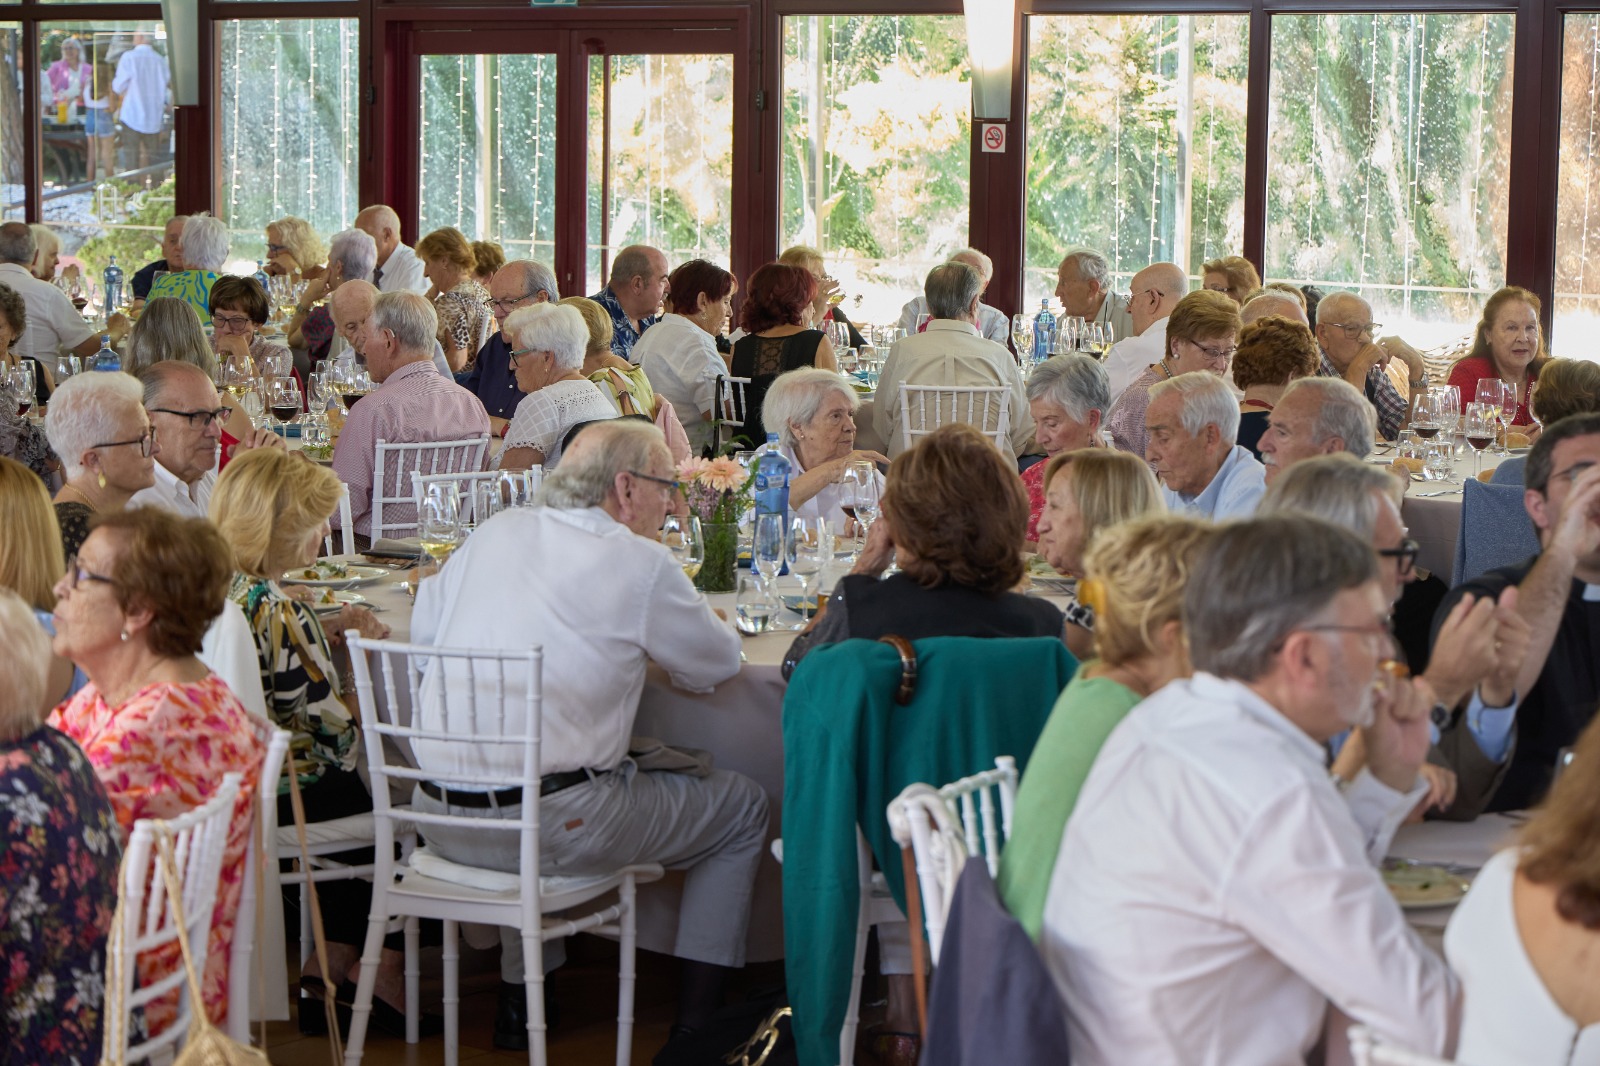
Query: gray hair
{"points": [[169, 328], [1074, 382], [793, 399], [356, 253], [588, 475], [157, 378], [1257, 581], [409, 316], [554, 328], [951, 288], [1342, 411], [84, 411], [1091, 265], [1336, 488], [976, 260], [536, 277], [45, 242], [1207, 401], [204, 242], [16, 243], [14, 310], [1272, 302], [28, 649]]}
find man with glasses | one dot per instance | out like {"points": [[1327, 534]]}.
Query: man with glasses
{"points": [[1253, 896], [520, 283], [1155, 291], [1557, 689], [1346, 333]]}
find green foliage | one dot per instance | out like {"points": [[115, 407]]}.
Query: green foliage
{"points": [[136, 239]]}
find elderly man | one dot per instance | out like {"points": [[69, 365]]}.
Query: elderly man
{"points": [[1083, 285], [1156, 290], [1252, 901], [398, 269], [1316, 416], [633, 295], [1264, 302], [1193, 426], [1558, 593], [54, 325], [1345, 331], [171, 259], [520, 283], [950, 353], [352, 256], [527, 578], [349, 308], [992, 322], [413, 403]]}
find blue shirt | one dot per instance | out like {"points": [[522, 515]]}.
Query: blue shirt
{"points": [[492, 380], [623, 335], [1233, 492]]}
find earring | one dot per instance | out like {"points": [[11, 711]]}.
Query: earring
{"points": [[102, 479], [124, 635]]}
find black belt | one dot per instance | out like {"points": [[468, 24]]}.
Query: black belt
{"points": [[507, 797]]}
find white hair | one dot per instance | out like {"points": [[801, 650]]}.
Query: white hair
{"points": [[45, 243], [974, 259], [793, 399], [1074, 382], [1273, 302], [1091, 266], [28, 649], [409, 316], [85, 410], [356, 253], [204, 242], [1207, 401], [587, 475], [1342, 411], [1337, 488], [554, 328]]}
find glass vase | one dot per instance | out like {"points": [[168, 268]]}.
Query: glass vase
{"points": [[722, 557]]}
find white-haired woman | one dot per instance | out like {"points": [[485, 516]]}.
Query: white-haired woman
{"points": [[1068, 396], [352, 255], [813, 413], [205, 249], [293, 248], [46, 252], [547, 346], [98, 427]]}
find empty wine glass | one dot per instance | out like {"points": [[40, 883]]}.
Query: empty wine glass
{"points": [[681, 535], [1491, 392], [1022, 338], [767, 549], [439, 521]]}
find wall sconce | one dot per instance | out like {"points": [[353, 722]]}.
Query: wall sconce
{"points": [[991, 27], [182, 18]]}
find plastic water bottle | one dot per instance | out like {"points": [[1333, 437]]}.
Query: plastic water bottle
{"points": [[1044, 331], [261, 278], [106, 358], [113, 289], [772, 482]]}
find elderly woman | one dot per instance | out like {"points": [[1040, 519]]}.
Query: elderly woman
{"points": [[823, 306], [616, 376], [169, 328], [487, 258], [813, 414], [1087, 492], [294, 249], [158, 726], [59, 839], [548, 342], [19, 438], [205, 249], [679, 352], [98, 426], [1202, 334], [1068, 396], [1233, 275], [352, 255], [777, 338], [1565, 387], [31, 563], [466, 320], [1137, 572], [46, 252], [1508, 345], [1273, 351], [239, 310]]}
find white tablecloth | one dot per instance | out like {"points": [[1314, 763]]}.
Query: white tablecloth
{"points": [[1464, 844]]}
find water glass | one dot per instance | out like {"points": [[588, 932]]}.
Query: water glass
{"points": [[754, 605], [767, 549], [1438, 461], [485, 501], [681, 534], [810, 549]]}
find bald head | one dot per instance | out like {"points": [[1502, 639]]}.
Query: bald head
{"points": [[1273, 302], [381, 223], [1156, 290], [351, 305], [977, 261]]}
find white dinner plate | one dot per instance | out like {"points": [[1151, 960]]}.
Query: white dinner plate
{"points": [[330, 601], [323, 577], [1420, 884]]}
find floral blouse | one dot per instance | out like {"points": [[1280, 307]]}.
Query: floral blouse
{"points": [[58, 892], [466, 319], [25, 442], [163, 752]]}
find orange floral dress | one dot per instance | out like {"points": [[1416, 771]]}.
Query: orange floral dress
{"points": [[162, 752]]}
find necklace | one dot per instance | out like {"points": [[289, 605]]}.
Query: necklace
{"points": [[82, 495], [1165, 369]]}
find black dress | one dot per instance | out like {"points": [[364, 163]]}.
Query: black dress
{"points": [[761, 359], [73, 518], [1251, 425]]}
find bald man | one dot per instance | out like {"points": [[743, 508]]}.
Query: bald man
{"points": [[1154, 292], [1346, 333], [1273, 302], [398, 269]]}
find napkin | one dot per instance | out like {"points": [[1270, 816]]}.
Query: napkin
{"points": [[401, 548]]}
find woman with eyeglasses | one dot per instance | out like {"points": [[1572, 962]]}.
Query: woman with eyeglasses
{"points": [[293, 248], [98, 426], [1509, 345], [1202, 334], [547, 346]]}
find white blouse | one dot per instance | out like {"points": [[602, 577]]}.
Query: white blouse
{"points": [[828, 503], [683, 366], [543, 418]]}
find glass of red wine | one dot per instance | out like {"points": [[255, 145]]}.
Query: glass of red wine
{"points": [[1481, 418], [285, 400]]}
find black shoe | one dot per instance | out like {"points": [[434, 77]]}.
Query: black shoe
{"points": [[511, 1016]]}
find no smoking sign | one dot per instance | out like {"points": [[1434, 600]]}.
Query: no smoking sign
{"points": [[994, 136]]}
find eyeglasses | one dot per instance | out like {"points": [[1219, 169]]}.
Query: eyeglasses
{"points": [[526, 351], [197, 419], [671, 484], [1352, 330], [1405, 555], [146, 443], [507, 303], [1216, 355], [275, 249], [1141, 292], [232, 321], [76, 575], [1376, 632]]}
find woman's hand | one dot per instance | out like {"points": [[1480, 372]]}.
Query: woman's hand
{"points": [[354, 616], [316, 289], [234, 345]]}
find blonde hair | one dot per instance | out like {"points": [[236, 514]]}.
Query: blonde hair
{"points": [[1240, 274], [802, 255], [267, 504], [31, 561], [597, 318], [1136, 574], [449, 244], [169, 329], [301, 240], [1109, 487], [28, 648]]}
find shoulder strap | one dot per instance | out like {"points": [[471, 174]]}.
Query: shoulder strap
{"points": [[624, 398]]}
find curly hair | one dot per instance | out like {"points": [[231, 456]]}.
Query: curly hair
{"points": [[1274, 351], [302, 242], [1566, 387], [776, 295], [1142, 567], [489, 257], [1558, 843], [178, 569], [959, 508], [13, 310], [1240, 273], [449, 244]]}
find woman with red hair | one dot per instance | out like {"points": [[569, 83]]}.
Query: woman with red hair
{"points": [[776, 338]]}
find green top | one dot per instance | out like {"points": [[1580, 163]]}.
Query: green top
{"points": [[1086, 712], [632, 383], [193, 287]]}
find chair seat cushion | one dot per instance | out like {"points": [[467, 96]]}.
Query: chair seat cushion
{"points": [[429, 865]]}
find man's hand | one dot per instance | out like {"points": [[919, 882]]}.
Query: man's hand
{"points": [[1511, 639], [1395, 348], [1464, 651], [1397, 741], [1578, 530], [259, 438]]}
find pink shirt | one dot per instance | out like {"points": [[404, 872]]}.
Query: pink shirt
{"points": [[414, 405]]}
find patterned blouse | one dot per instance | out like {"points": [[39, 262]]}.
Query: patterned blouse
{"points": [[299, 678], [193, 287], [317, 333], [163, 752], [544, 417], [73, 518], [58, 891], [25, 442], [465, 319], [1033, 481], [632, 383]]}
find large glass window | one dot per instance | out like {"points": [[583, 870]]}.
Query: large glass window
{"points": [[1577, 303], [876, 144], [11, 123], [488, 150], [1388, 162], [1136, 128], [291, 150]]}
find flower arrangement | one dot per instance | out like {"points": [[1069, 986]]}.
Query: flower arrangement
{"points": [[718, 491]]}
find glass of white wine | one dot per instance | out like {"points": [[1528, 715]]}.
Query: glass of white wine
{"points": [[439, 523], [681, 535], [810, 548]]}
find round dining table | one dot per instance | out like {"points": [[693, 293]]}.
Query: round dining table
{"points": [[1432, 509]]}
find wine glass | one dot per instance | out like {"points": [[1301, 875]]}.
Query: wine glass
{"points": [[923, 320], [1022, 338], [858, 491], [681, 535], [753, 604], [767, 550], [1096, 342], [1109, 333], [485, 501], [1426, 418], [23, 385], [809, 550], [284, 394], [1480, 429], [1491, 391], [439, 522]]}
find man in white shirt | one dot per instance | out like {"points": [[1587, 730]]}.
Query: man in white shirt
{"points": [[54, 325], [950, 353], [992, 322], [1216, 890], [141, 81], [1083, 285], [1156, 291], [398, 269], [527, 578], [1193, 427]]}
